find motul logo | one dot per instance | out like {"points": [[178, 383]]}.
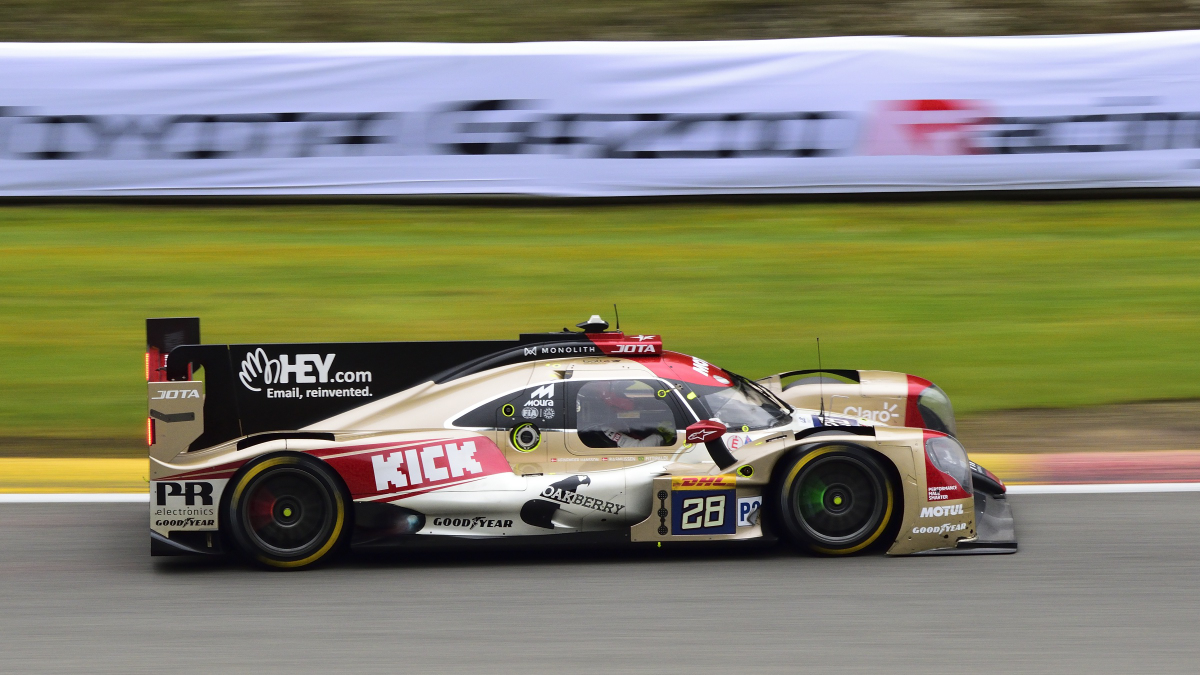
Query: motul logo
{"points": [[942, 511]]}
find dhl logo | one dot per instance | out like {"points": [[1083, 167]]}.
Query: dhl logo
{"points": [[703, 483]]}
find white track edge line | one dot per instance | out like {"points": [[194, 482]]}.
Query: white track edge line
{"points": [[1056, 489], [74, 498], [1101, 488]]}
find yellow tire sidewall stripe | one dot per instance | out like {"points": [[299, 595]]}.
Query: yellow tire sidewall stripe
{"points": [[339, 506], [887, 516]]}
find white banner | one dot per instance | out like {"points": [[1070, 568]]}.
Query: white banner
{"points": [[855, 114]]}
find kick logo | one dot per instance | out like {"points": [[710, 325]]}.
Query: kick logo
{"points": [[414, 467]]}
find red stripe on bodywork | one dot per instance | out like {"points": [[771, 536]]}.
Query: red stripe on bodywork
{"points": [[936, 478], [365, 472], [618, 344], [220, 471], [912, 414], [676, 366], [325, 452]]}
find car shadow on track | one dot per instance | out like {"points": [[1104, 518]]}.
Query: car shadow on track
{"points": [[511, 554]]}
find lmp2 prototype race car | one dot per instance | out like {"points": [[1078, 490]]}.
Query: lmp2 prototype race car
{"points": [[288, 453]]}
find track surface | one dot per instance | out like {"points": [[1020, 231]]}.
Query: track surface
{"points": [[1103, 583]]}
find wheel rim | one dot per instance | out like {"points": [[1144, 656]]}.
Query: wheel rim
{"points": [[287, 512], [838, 500]]}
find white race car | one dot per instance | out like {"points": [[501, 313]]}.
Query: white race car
{"points": [[288, 453]]}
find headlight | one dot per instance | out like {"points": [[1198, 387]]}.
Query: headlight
{"points": [[950, 457], [936, 411]]}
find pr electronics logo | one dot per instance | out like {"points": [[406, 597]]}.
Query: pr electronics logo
{"points": [[191, 492]]}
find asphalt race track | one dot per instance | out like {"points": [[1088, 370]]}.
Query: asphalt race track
{"points": [[1103, 583]]}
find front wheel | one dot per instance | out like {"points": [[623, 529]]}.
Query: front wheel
{"points": [[833, 500], [288, 511]]}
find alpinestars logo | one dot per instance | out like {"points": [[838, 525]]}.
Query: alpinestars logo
{"points": [[259, 369]]}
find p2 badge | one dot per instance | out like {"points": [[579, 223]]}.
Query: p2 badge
{"points": [[747, 510]]}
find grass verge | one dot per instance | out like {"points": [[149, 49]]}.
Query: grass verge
{"points": [[523, 20], [1006, 305]]}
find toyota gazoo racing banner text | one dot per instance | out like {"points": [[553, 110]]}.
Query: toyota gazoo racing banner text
{"points": [[596, 119]]}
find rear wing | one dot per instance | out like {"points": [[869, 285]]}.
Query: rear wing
{"points": [[255, 388], [259, 388]]}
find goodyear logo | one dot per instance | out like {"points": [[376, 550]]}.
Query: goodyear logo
{"points": [[703, 482]]}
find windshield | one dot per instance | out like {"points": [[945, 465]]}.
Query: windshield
{"points": [[743, 404]]}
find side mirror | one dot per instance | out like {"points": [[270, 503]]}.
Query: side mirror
{"points": [[709, 432], [704, 431]]}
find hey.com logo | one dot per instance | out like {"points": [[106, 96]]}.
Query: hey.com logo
{"points": [[260, 369]]}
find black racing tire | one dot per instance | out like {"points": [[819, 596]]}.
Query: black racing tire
{"points": [[835, 499], [288, 511]]}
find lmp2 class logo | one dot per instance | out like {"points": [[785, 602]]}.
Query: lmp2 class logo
{"points": [[259, 369]]}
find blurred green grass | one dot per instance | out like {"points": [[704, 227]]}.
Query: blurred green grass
{"points": [[1005, 305], [521, 20]]}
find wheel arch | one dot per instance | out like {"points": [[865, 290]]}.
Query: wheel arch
{"points": [[783, 465], [235, 485]]}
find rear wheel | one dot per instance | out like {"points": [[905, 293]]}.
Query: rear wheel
{"points": [[288, 511], [833, 500]]}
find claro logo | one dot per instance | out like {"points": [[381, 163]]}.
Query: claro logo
{"points": [[260, 369]]}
